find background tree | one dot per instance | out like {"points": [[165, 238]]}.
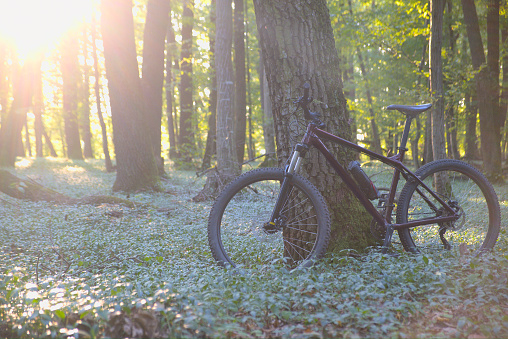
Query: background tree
{"points": [[211, 137], [154, 34], [71, 76], [288, 31], [136, 164], [170, 85], [186, 137], [436, 79], [240, 80], [12, 121], [97, 92], [227, 165], [489, 126]]}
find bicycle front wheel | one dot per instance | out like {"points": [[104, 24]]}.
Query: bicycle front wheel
{"points": [[237, 230], [467, 191]]}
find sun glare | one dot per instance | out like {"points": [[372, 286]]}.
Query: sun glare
{"points": [[34, 25]]}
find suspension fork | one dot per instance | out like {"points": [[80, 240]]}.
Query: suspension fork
{"points": [[273, 225]]}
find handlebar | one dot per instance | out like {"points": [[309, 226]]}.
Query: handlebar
{"points": [[304, 101]]}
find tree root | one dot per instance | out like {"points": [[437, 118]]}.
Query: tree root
{"points": [[30, 190]]}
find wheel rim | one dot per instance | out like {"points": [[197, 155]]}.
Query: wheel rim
{"points": [[245, 242], [464, 194]]}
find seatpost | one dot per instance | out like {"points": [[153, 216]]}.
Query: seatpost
{"points": [[405, 134]]}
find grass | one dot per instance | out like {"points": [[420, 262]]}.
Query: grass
{"points": [[111, 271]]}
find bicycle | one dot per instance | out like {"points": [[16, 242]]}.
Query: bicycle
{"points": [[273, 214]]}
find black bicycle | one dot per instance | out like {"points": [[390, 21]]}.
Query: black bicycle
{"points": [[272, 214]]}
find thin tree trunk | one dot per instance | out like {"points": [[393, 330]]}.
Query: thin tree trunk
{"points": [[97, 91], [38, 109], [186, 137], [240, 84], [47, 141], [375, 140], [70, 79], [489, 126], [251, 147], [28, 145], [170, 56], [156, 23], [227, 165], [85, 100], [414, 143], [471, 140], [436, 79], [210, 149], [268, 124]]}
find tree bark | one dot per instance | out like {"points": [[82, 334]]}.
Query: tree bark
{"points": [[298, 46], [70, 78], [186, 137], [489, 127], [136, 164], [240, 81], [154, 34]]}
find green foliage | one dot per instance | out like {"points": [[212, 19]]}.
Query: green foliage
{"points": [[78, 270]]}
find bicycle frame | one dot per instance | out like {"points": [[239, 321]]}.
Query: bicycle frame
{"points": [[313, 137]]}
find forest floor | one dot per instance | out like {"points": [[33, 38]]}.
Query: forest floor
{"points": [[114, 271]]}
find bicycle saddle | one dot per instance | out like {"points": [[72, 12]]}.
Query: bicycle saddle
{"points": [[412, 111]]}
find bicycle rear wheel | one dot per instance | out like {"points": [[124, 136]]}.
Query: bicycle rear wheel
{"points": [[467, 191], [236, 231]]}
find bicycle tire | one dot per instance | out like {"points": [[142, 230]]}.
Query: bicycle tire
{"points": [[235, 224], [473, 197]]}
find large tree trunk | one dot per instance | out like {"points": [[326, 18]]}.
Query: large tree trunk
{"points": [[136, 164], [298, 46], [186, 137], [436, 79], [157, 20], [97, 92], [70, 78], [489, 126], [240, 84]]}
